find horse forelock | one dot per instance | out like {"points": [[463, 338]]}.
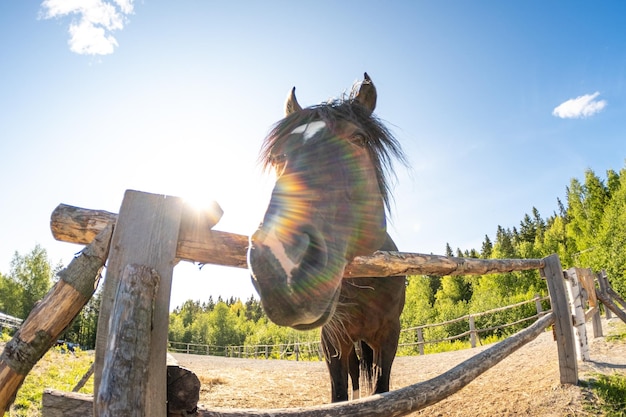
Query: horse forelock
{"points": [[382, 146]]}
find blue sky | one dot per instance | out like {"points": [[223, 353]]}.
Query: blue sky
{"points": [[497, 104]]}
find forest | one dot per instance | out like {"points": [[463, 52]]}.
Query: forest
{"points": [[588, 229]]}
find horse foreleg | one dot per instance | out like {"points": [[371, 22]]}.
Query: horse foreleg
{"points": [[353, 368], [384, 359], [337, 360]]}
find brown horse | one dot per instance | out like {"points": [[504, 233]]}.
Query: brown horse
{"points": [[328, 206]]}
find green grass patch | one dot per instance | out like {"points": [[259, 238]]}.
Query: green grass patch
{"points": [[607, 395], [58, 370]]}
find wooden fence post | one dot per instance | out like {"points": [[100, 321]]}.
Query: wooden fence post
{"points": [[472, 329], [123, 385], [603, 284], [572, 284], [538, 306], [420, 340], [146, 233], [568, 367]]}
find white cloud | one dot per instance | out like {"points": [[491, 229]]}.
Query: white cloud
{"points": [[579, 107], [91, 31]]}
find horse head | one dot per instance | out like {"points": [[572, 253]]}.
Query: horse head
{"points": [[327, 205]]}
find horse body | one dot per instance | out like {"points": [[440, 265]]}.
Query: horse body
{"points": [[328, 206], [367, 319]]}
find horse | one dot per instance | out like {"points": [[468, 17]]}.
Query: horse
{"points": [[328, 205]]}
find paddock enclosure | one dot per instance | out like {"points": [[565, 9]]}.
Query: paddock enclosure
{"points": [[152, 233]]}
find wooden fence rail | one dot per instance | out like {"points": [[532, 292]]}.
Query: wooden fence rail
{"points": [[76, 225], [9, 321]]}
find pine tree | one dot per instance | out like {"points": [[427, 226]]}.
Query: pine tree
{"points": [[486, 249]]}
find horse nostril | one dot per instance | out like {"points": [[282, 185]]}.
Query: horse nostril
{"points": [[301, 244]]}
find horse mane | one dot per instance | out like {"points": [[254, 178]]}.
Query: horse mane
{"points": [[379, 141]]}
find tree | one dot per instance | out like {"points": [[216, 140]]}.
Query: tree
{"points": [[503, 248], [418, 307], [10, 296], [31, 277], [611, 239], [586, 205], [486, 249]]}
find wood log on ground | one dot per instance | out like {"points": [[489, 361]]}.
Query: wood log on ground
{"points": [[199, 244], [183, 391], [57, 403], [51, 316], [122, 390]]}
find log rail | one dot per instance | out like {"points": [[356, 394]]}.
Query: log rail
{"points": [[198, 243]]}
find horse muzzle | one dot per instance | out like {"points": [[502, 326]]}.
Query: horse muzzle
{"points": [[296, 277]]}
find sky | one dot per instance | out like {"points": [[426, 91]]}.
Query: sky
{"points": [[498, 105]]}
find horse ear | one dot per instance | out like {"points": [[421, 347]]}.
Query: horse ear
{"points": [[291, 105], [367, 94]]}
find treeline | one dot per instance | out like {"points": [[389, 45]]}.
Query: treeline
{"points": [[588, 229], [230, 323]]}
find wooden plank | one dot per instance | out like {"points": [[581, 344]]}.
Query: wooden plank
{"points": [[402, 401], [199, 244], [123, 387], [146, 233], [568, 367], [51, 316], [587, 280]]}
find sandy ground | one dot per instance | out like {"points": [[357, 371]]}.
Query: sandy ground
{"points": [[524, 384]]}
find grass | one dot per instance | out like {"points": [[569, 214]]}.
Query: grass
{"points": [[56, 370], [606, 394]]}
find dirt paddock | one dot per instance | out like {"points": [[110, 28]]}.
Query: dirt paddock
{"points": [[524, 384]]}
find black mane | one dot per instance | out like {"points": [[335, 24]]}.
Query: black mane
{"points": [[379, 141]]}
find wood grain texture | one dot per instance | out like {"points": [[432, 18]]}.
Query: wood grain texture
{"points": [[123, 385], [146, 233], [568, 366]]}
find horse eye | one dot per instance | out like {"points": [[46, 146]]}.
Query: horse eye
{"points": [[279, 159], [359, 140]]}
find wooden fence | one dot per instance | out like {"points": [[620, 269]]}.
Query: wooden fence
{"points": [[9, 322], [311, 350], [142, 244]]}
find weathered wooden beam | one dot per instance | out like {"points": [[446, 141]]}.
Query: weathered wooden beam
{"points": [[57, 403], [51, 316], [608, 303], [568, 367], [146, 233], [200, 244], [399, 402], [123, 385], [402, 263]]}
